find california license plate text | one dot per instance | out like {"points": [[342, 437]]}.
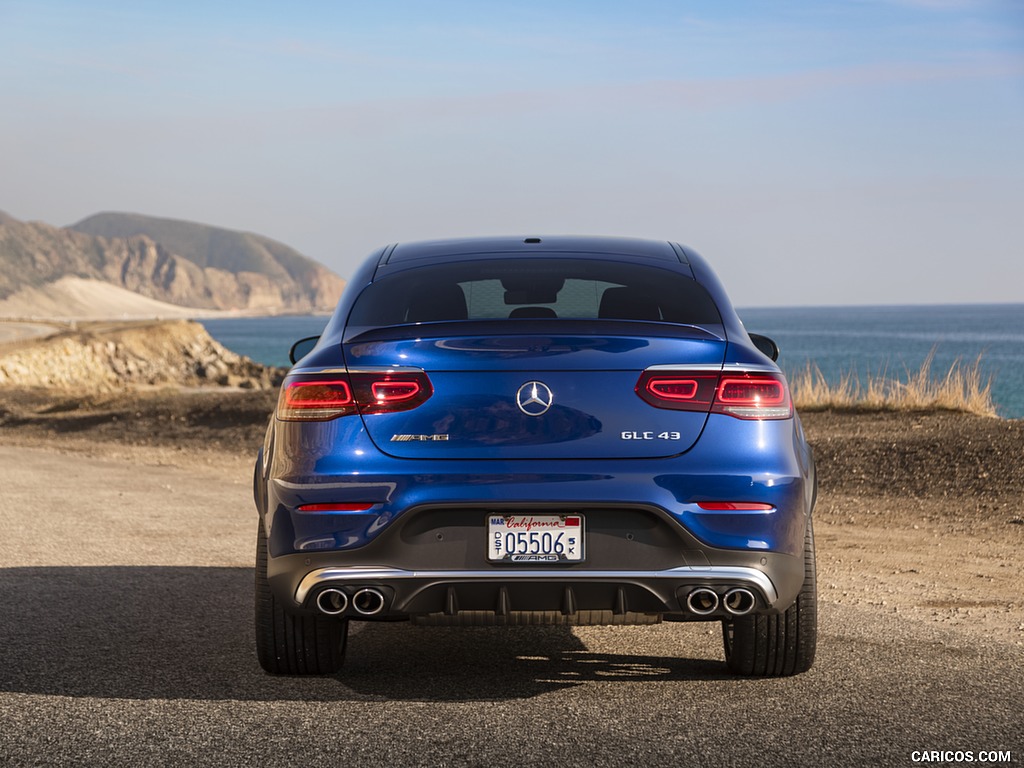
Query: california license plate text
{"points": [[535, 538]]}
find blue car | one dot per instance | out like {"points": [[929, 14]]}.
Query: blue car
{"points": [[540, 430]]}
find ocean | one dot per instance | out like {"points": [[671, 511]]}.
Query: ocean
{"points": [[892, 341], [865, 341]]}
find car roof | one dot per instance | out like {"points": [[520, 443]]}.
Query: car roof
{"points": [[537, 245]]}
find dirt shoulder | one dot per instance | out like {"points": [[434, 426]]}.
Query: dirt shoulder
{"points": [[921, 514], [918, 514], [177, 420]]}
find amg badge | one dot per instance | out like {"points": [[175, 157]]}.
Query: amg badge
{"points": [[418, 438]]}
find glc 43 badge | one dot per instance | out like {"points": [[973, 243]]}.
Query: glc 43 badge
{"points": [[649, 435]]}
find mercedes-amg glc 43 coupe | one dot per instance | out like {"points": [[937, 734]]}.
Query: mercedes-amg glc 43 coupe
{"points": [[535, 430]]}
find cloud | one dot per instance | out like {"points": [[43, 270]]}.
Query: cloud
{"points": [[693, 93]]}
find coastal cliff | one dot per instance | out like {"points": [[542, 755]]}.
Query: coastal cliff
{"points": [[175, 262], [102, 356]]}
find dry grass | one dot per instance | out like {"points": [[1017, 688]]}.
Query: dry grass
{"points": [[961, 388]]}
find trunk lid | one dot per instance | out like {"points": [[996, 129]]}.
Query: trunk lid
{"points": [[536, 396]]}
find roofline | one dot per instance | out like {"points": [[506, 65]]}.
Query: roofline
{"points": [[532, 245]]}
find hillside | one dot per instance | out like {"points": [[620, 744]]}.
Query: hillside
{"points": [[85, 358], [176, 262]]}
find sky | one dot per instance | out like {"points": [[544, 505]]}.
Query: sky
{"points": [[816, 152]]}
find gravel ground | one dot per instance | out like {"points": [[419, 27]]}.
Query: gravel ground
{"points": [[126, 590]]}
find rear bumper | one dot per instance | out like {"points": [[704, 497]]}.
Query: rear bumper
{"points": [[663, 586], [423, 544], [335, 461], [506, 592]]}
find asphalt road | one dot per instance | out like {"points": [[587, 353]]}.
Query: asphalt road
{"points": [[126, 639]]}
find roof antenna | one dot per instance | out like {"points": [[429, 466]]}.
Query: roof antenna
{"points": [[532, 240]]}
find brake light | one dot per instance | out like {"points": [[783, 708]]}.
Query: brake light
{"points": [[678, 390], [674, 389], [390, 392], [754, 396], [394, 391], [321, 397], [743, 395], [315, 400]]}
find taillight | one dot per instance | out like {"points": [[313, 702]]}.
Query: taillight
{"points": [[320, 397], [678, 390], [744, 395], [391, 391], [394, 391], [315, 399], [754, 396]]}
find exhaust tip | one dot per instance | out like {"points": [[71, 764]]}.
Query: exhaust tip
{"points": [[368, 601], [739, 601], [702, 601], [332, 602]]}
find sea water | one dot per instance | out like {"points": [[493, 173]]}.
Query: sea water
{"points": [[862, 341], [266, 340], [893, 342]]}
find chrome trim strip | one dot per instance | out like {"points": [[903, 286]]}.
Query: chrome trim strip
{"points": [[723, 368], [384, 369], [383, 573], [752, 367], [684, 367]]}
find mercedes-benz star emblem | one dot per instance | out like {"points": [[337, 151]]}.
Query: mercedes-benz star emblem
{"points": [[534, 398]]}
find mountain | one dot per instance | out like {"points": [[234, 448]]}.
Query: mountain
{"points": [[177, 262]]}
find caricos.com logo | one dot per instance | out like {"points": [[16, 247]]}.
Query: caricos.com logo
{"points": [[938, 756]]}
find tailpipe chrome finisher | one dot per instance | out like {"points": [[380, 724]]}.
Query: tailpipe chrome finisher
{"points": [[739, 601], [332, 601], [702, 601], [368, 601]]}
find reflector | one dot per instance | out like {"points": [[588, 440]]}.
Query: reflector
{"points": [[734, 506], [339, 507]]}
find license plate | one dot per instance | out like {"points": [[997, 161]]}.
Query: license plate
{"points": [[535, 538]]}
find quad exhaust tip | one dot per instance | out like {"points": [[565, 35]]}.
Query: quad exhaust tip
{"points": [[332, 602], [739, 601], [368, 601], [702, 601]]}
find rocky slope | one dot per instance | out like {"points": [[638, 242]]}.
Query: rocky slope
{"points": [[102, 356], [180, 263]]}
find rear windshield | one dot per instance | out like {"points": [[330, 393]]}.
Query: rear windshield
{"points": [[569, 289]]}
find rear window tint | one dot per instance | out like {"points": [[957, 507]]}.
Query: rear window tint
{"points": [[570, 289]]}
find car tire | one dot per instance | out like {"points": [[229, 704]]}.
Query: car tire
{"points": [[782, 644], [293, 644]]}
